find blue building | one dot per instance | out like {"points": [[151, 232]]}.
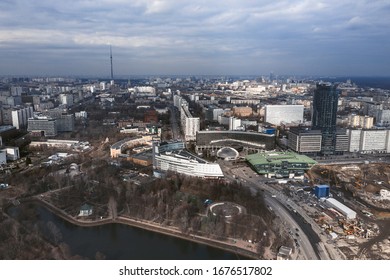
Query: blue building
{"points": [[321, 191]]}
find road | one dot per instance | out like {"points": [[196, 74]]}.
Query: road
{"points": [[289, 221], [308, 239], [174, 123]]}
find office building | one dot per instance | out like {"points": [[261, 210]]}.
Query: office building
{"points": [[324, 115], [342, 141], [304, 140], [64, 121], [172, 157], [275, 114], [252, 141], [42, 126]]}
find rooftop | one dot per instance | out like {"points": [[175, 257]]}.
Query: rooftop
{"points": [[4, 128], [278, 158], [183, 154]]}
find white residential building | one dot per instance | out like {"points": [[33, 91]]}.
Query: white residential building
{"points": [[67, 99], [275, 114], [374, 140], [81, 115], [12, 153], [369, 140], [177, 101], [234, 123], [172, 157], [189, 124], [20, 117]]}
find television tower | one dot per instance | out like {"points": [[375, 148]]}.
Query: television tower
{"points": [[112, 73]]}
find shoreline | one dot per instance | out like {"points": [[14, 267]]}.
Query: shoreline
{"points": [[147, 225]]}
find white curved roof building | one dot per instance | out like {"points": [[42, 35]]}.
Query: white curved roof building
{"points": [[173, 157]]}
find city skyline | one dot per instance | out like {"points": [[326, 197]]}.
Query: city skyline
{"points": [[197, 38]]}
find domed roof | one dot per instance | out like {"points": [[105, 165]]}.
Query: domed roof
{"points": [[227, 153]]}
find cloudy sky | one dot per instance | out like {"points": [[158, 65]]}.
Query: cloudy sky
{"points": [[310, 37]]}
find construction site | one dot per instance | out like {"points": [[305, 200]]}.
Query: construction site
{"points": [[356, 215]]}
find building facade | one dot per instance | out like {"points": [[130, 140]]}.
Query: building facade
{"points": [[305, 140], [242, 111], [366, 122], [44, 126], [172, 157], [64, 121], [214, 140], [20, 117], [325, 103], [275, 114], [189, 124], [234, 123], [280, 164], [369, 140]]}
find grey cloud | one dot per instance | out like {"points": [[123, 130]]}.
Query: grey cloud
{"points": [[243, 36]]}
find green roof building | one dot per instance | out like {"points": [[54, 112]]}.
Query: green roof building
{"points": [[280, 164]]}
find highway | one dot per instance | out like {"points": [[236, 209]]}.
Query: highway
{"points": [[308, 241], [306, 247]]}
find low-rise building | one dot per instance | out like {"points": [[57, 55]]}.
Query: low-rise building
{"points": [[85, 210], [284, 253], [242, 111], [12, 153], [346, 211], [280, 164], [172, 157], [119, 147]]}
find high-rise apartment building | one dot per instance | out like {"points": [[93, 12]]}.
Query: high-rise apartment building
{"points": [[20, 117], [189, 124], [324, 115]]}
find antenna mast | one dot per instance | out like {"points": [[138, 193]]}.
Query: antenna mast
{"points": [[112, 73]]}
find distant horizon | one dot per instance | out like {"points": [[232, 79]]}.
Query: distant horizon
{"points": [[73, 38], [125, 76]]}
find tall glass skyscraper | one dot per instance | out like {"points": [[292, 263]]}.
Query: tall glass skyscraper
{"points": [[324, 115]]}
